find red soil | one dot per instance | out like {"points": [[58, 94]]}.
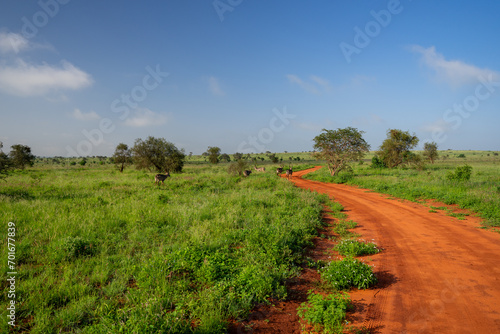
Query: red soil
{"points": [[437, 274]]}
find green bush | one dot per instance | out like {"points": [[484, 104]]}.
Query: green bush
{"points": [[462, 173], [75, 247], [377, 163], [347, 273], [349, 247], [326, 314]]}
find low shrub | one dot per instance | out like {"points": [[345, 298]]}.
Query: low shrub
{"points": [[349, 247], [348, 273], [462, 173], [325, 314]]}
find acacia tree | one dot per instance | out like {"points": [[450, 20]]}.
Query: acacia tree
{"points": [[213, 154], [225, 157], [340, 147], [430, 151], [238, 156], [5, 163], [20, 156], [158, 154], [396, 148], [122, 156]]}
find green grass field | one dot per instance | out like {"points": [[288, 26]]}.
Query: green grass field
{"points": [[98, 251], [480, 194]]}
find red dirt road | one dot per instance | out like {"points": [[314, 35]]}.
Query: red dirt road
{"points": [[437, 274]]}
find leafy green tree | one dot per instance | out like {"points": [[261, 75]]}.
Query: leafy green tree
{"points": [[20, 156], [157, 154], [274, 159], [430, 151], [122, 156], [238, 156], [213, 154], [5, 163], [225, 157], [395, 150], [340, 147], [237, 167]]}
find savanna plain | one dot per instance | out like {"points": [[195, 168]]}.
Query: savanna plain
{"points": [[99, 251]]}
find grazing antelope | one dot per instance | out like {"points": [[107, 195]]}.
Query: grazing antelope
{"points": [[289, 172], [261, 169], [279, 170], [246, 173], [161, 178]]}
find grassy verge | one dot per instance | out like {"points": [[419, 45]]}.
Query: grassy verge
{"points": [[326, 311], [98, 251]]}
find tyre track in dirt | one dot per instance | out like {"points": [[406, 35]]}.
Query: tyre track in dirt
{"points": [[437, 274]]}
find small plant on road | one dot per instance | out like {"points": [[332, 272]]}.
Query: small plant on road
{"points": [[325, 314], [342, 229], [347, 273], [349, 247]]}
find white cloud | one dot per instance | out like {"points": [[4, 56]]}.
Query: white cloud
{"points": [[323, 83], [214, 86], [91, 116], [453, 72], [308, 87], [12, 43], [315, 85], [437, 126], [144, 117], [37, 80]]}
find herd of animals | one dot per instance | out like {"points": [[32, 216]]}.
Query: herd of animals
{"points": [[162, 177]]}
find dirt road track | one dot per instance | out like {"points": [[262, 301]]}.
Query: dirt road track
{"points": [[437, 274]]}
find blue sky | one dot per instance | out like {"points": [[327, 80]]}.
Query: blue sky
{"points": [[79, 77]]}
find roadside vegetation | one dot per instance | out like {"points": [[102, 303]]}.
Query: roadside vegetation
{"points": [[469, 179]]}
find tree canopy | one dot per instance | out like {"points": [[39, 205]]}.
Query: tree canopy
{"points": [[122, 156], [158, 154], [5, 163], [20, 156], [430, 151], [396, 148], [213, 153], [340, 147]]}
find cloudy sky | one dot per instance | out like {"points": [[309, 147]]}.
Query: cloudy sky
{"points": [[79, 77]]}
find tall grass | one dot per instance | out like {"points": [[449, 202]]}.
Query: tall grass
{"points": [[98, 251]]}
